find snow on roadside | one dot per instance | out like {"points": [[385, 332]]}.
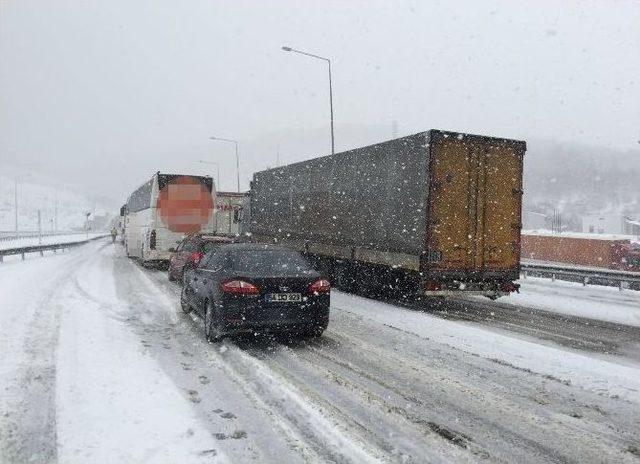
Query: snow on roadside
{"points": [[114, 403], [22, 288], [593, 374], [46, 240], [594, 302]]}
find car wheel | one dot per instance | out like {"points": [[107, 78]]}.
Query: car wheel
{"points": [[211, 331], [183, 301]]}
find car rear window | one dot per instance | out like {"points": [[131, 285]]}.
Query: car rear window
{"points": [[268, 262], [208, 246]]}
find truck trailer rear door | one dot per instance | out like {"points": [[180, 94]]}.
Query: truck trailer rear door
{"points": [[474, 206]]}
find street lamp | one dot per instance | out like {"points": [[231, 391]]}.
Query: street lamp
{"points": [[289, 49], [237, 157], [86, 222], [15, 200], [217, 165]]}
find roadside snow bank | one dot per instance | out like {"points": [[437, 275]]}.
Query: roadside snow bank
{"points": [[594, 302], [602, 377], [114, 403]]}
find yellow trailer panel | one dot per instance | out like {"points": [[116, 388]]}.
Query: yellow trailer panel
{"points": [[474, 205]]}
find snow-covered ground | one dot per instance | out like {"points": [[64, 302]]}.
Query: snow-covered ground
{"points": [[594, 302], [103, 367], [47, 240], [589, 373]]}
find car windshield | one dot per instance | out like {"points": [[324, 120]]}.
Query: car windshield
{"points": [[268, 262]]}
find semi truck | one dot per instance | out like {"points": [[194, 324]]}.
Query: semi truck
{"points": [[434, 213]]}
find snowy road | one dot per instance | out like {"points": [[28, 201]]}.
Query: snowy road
{"points": [[99, 365]]}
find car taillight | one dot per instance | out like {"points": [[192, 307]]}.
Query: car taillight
{"points": [[152, 240], [239, 287], [196, 257], [320, 286], [432, 286], [509, 287]]}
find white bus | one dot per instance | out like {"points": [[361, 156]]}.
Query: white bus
{"points": [[164, 210]]}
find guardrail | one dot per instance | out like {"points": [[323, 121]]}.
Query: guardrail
{"points": [[12, 235], [42, 248], [585, 275]]}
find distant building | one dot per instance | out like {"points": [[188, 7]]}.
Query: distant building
{"points": [[611, 224], [633, 226]]}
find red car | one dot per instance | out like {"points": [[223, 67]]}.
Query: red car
{"points": [[190, 251]]}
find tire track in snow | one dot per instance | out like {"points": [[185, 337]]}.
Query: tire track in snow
{"points": [[509, 412], [30, 427], [314, 433], [516, 400], [312, 416]]}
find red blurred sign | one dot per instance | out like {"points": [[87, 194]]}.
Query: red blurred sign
{"points": [[185, 205]]}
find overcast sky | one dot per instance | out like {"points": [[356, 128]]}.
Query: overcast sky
{"points": [[104, 93]]}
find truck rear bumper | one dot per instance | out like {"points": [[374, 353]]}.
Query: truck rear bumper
{"points": [[491, 289]]}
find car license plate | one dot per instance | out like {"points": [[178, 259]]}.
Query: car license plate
{"points": [[283, 297]]}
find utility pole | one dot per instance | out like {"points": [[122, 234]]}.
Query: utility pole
{"points": [[237, 157], [86, 223], [55, 211], [15, 200], [39, 228]]}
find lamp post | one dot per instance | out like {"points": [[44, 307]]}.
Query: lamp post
{"points": [[86, 222], [217, 165], [289, 49], [15, 200], [237, 157]]}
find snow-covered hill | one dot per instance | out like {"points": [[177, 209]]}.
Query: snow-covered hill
{"points": [[37, 192]]}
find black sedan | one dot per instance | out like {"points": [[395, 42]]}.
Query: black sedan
{"points": [[248, 288]]}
